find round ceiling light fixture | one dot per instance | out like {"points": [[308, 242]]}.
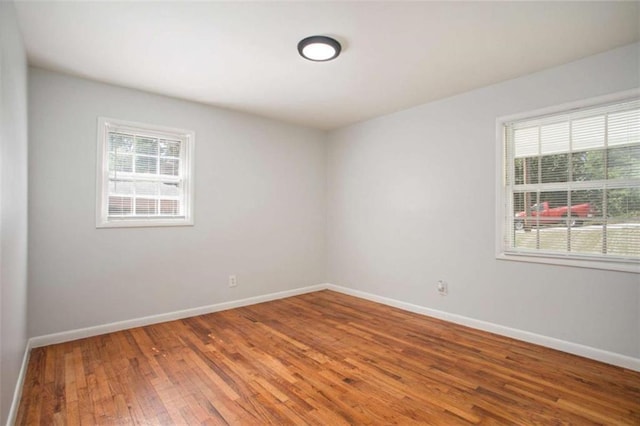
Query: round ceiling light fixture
{"points": [[319, 48]]}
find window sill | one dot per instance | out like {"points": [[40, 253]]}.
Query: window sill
{"points": [[143, 223], [620, 266]]}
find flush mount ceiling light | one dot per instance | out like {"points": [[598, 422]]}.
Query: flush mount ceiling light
{"points": [[319, 48]]}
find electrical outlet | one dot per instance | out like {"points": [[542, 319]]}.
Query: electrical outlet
{"points": [[443, 288], [233, 281]]}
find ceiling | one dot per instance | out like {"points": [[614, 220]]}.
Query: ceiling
{"points": [[243, 56]]}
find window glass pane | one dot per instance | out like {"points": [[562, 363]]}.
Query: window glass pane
{"points": [[624, 239], [170, 167], [526, 170], [146, 164], [526, 142], [523, 217], [146, 146], [170, 189], [588, 165], [552, 208], [146, 188], [121, 187], [554, 138], [624, 127], [120, 205], [588, 133], [146, 206], [528, 211], [169, 207], [623, 230], [527, 240], [623, 205], [554, 168], [120, 142], [624, 162], [169, 148], [587, 239], [587, 204], [542, 236], [121, 162], [553, 239], [519, 201], [518, 173]]}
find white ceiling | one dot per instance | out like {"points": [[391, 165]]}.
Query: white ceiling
{"points": [[242, 55]]}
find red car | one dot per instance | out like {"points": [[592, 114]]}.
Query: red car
{"points": [[541, 214]]}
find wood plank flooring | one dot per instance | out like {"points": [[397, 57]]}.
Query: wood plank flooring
{"points": [[322, 359]]}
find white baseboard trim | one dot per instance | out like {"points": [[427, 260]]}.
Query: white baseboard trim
{"points": [[81, 333], [17, 393], [538, 339]]}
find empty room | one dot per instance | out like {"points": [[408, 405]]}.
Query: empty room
{"points": [[319, 213]]}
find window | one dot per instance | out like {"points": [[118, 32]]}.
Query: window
{"points": [[144, 175], [569, 187]]}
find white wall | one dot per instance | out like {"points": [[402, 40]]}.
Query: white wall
{"points": [[259, 210], [13, 205], [411, 200]]}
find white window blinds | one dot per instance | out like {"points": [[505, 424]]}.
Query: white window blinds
{"points": [[572, 183]]}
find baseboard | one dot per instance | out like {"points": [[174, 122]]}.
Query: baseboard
{"points": [[67, 336], [538, 339], [17, 393]]}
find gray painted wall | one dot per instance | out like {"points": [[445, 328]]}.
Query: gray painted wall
{"points": [[411, 200], [259, 210], [13, 205]]}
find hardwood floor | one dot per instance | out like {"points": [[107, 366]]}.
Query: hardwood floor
{"points": [[321, 358]]}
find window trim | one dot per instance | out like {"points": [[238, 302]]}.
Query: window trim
{"points": [[581, 261], [102, 180]]}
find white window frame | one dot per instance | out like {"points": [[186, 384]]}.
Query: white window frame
{"points": [[502, 216], [187, 138]]}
